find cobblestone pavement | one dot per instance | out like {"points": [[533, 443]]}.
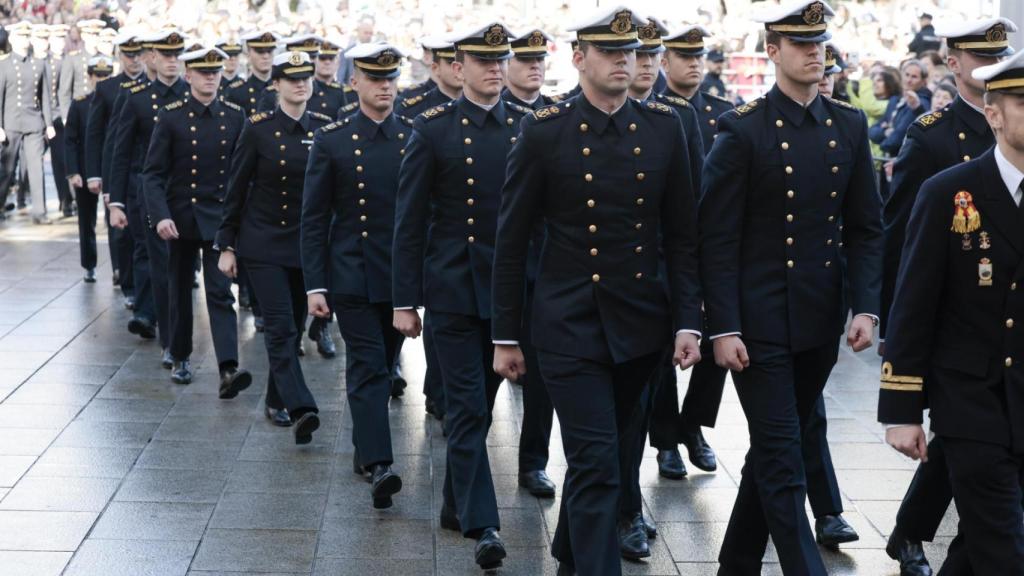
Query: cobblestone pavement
{"points": [[108, 468]]}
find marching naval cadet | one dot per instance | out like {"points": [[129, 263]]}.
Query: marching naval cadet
{"points": [[230, 72], [953, 344], [100, 68], [935, 142], [260, 227], [41, 34], [773, 284], [601, 314], [133, 128], [73, 67], [449, 184], [94, 141], [259, 49], [526, 71], [713, 83], [183, 182], [25, 117], [348, 218], [449, 86]]}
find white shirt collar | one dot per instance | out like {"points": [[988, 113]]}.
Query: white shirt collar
{"points": [[968, 102], [479, 105], [1010, 174]]}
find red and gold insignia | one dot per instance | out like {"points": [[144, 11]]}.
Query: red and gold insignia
{"points": [[814, 14], [622, 23], [966, 218]]}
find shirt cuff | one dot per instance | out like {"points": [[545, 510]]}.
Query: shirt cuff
{"points": [[891, 426], [404, 308], [506, 342], [94, 179], [316, 291], [874, 319], [717, 336], [687, 331], [117, 205]]}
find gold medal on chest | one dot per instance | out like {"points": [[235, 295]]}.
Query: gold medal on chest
{"points": [[984, 272], [984, 241]]}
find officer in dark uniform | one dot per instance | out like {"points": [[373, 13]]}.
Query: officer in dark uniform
{"points": [[328, 96], [230, 72], [713, 83], [453, 170], [953, 343], [133, 128], [348, 217], [25, 117], [604, 171], [786, 170], [100, 69], [184, 181], [448, 87], [261, 225], [526, 71], [259, 48], [95, 142], [935, 142], [925, 39]]}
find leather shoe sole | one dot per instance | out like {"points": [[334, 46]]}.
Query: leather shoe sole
{"points": [[141, 329], [305, 426], [240, 381], [384, 489], [490, 555], [278, 417]]}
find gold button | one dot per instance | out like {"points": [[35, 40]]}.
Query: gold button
{"points": [[632, 127], [831, 143], [707, 108], [193, 185], [639, 249], [789, 217], [1013, 286], [828, 264], [588, 177], [283, 223], [835, 169], [789, 169], [401, 135], [592, 228], [785, 145], [194, 142], [362, 201], [962, 136], [469, 161], [593, 251], [789, 241], [471, 239], [712, 122], [828, 122], [967, 158], [790, 194], [512, 139], [282, 146], [467, 141], [154, 106], [192, 128], [365, 234], [509, 121], [362, 218], [831, 218], [790, 263], [639, 201], [1009, 323], [636, 151], [778, 123], [640, 175], [358, 152], [596, 277], [828, 242], [1009, 362], [470, 201], [639, 275], [282, 162], [278, 135], [591, 203], [465, 122], [470, 181], [361, 185], [584, 127], [833, 195], [586, 151], [359, 168], [194, 200], [354, 136], [193, 171], [639, 225], [194, 157], [469, 221]]}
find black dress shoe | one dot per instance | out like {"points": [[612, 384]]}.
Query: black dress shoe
{"points": [[649, 527], [449, 519], [700, 453], [633, 541], [385, 485], [233, 381], [116, 278], [910, 555], [299, 349], [490, 551], [181, 372], [833, 530], [90, 276], [166, 360], [305, 426], [398, 386], [142, 327], [434, 410], [129, 302], [244, 302], [278, 416], [325, 345], [670, 465], [537, 483], [257, 322]]}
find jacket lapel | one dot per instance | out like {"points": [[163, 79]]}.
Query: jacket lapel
{"points": [[996, 204]]}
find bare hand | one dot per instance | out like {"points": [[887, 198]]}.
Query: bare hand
{"points": [[910, 440], [227, 264], [95, 186], [106, 200], [317, 304], [117, 218], [862, 329], [408, 323], [51, 132], [731, 353], [166, 229], [509, 362], [687, 350], [75, 181], [913, 101]]}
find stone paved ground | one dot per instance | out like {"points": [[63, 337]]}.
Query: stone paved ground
{"points": [[108, 468]]}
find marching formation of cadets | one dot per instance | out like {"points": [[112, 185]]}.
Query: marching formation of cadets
{"points": [[585, 246]]}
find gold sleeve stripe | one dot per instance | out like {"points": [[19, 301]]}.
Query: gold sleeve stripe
{"points": [[896, 386], [891, 381]]}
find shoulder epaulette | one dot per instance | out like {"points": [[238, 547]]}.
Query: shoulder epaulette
{"points": [[415, 87], [333, 84], [80, 98], [260, 117], [676, 100], [553, 111], [347, 89], [129, 83], [405, 119], [711, 96], [659, 107], [271, 88], [319, 116], [842, 104], [749, 107], [518, 107], [238, 82], [175, 104], [436, 111], [139, 88], [332, 126], [930, 119], [410, 102], [349, 107], [231, 105]]}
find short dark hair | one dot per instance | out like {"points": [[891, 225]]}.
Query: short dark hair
{"points": [[460, 56], [772, 38], [891, 80], [993, 98]]}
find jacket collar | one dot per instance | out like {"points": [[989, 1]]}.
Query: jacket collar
{"points": [[368, 129], [289, 124], [794, 112], [974, 120], [478, 115], [599, 121]]}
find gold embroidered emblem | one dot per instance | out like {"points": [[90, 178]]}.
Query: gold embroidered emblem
{"points": [[622, 23], [693, 36], [648, 31], [814, 14], [387, 58], [996, 33], [496, 35], [536, 39], [295, 59]]}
